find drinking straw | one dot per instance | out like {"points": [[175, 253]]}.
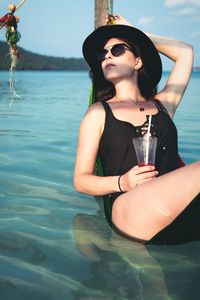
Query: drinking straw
{"points": [[148, 136]]}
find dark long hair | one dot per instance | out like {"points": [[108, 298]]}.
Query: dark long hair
{"points": [[104, 90]]}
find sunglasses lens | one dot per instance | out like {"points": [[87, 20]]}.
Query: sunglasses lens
{"points": [[117, 50], [101, 55]]}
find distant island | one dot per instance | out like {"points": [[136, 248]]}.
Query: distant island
{"points": [[32, 61]]}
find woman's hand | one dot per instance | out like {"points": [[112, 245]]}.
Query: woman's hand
{"points": [[116, 19], [136, 176]]}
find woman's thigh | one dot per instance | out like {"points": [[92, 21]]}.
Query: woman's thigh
{"points": [[185, 228], [150, 207]]}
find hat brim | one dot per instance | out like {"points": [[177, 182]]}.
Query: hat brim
{"points": [[149, 54]]}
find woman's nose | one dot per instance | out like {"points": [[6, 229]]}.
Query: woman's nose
{"points": [[108, 54]]}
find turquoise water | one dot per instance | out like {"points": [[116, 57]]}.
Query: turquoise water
{"points": [[54, 242]]}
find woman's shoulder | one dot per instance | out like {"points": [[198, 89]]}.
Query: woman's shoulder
{"points": [[96, 106], [95, 113], [93, 120], [95, 109]]}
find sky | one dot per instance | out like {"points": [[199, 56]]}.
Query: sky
{"points": [[59, 27]]}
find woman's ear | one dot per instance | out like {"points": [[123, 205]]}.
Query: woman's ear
{"points": [[138, 63]]}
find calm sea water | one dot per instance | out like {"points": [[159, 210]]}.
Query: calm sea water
{"points": [[54, 242]]}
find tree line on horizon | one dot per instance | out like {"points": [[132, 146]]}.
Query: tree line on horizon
{"points": [[33, 61]]}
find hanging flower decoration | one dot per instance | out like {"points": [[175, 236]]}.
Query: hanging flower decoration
{"points": [[10, 22]]}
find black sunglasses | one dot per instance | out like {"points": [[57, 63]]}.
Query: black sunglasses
{"points": [[116, 50]]}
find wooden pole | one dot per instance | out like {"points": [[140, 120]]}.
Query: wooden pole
{"points": [[102, 8]]}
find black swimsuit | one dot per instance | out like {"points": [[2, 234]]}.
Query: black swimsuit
{"points": [[117, 155]]}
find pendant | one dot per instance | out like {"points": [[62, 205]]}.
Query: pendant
{"points": [[142, 109]]}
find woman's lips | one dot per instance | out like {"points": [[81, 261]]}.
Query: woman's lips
{"points": [[109, 66]]}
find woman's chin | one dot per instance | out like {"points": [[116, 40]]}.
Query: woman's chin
{"points": [[113, 77]]}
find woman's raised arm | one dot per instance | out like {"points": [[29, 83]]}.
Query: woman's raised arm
{"points": [[182, 55]]}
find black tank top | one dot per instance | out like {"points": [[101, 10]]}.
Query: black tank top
{"points": [[116, 149]]}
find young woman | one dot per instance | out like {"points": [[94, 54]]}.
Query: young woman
{"points": [[151, 204]]}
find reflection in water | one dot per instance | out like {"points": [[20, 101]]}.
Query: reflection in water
{"points": [[119, 268]]}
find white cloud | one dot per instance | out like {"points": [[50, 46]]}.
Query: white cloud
{"points": [[172, 3], [188, 11], [145, 21]]}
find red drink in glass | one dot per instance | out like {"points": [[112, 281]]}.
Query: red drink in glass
{"points": [[145, 149], [143, 164]]}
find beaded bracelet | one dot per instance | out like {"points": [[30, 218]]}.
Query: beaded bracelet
{"points": [[119, 184]]}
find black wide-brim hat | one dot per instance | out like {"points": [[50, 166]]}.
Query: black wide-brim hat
{"points": [[149, 54]]}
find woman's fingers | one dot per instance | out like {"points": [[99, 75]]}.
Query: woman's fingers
{"points": [[139, 175], [147, 174], [117, 19], [120, 20], [143, 169], [136, 176], [145, 180], [109, 19]]}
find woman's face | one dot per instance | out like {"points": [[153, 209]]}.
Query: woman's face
{"points": [[120, 67]]}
